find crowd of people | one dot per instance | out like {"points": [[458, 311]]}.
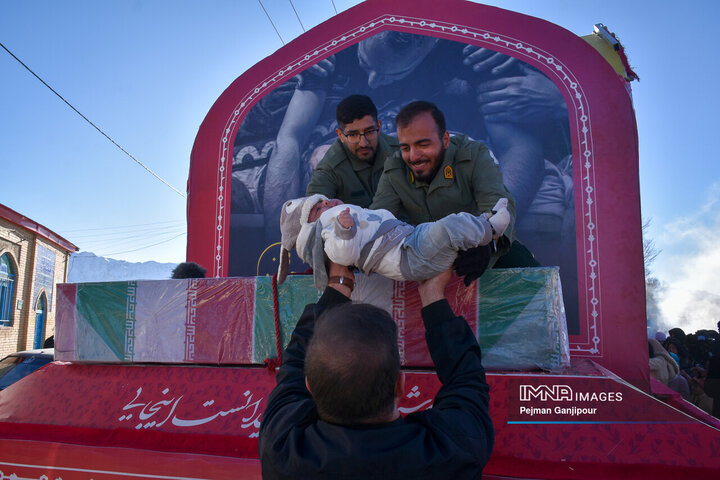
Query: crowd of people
{"points": [[689, 364]]}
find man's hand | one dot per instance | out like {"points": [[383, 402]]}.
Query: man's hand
{"points": [[316, 75], [345, 218], [324, 68], [341, 271], [483, 59], [433, 289], [526, 97], [473, 262]]}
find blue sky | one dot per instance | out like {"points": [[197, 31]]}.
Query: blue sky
{"points": [[147, 72]]}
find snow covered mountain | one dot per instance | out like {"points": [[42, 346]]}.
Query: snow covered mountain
{"points": [[88, 267]]}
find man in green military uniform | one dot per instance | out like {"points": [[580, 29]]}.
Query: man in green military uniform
{"points": [[351, 168], [435, 175]]}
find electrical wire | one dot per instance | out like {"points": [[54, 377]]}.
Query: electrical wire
{"points": [[126, 231], [271, 22], [91, 123], [125, 237], [298, 16], [64, 232], [334, 7], [128, 239], [144, 247]]}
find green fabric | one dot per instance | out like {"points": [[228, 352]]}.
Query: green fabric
{"points": [[502, 297], [521, 323], [473, 184], [521, 319], [342, 175], [296, 292], [103, 307]]}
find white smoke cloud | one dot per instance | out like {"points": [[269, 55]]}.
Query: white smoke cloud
{"points": [[689, 268]]}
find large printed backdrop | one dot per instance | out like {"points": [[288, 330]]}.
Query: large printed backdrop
{"points": [[529, 135], [555, 114]]}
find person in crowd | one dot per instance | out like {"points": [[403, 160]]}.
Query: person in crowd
{"points": [[677, 333], [698, 397], [188, 270], [680, 384], [712, 384], [334, 412], [698, 357], [662, 366], [672, 346]]}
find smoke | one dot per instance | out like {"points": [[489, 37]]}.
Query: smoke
{"points": [[670, 306], [687, 294], [702, 305], [654, 292]]}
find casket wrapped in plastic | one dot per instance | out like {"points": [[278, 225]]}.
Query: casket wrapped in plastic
{"points": [[517, 314]]}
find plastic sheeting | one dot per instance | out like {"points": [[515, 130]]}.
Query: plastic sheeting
{"points": [[521, 319], [516, 313], [166, 321]]}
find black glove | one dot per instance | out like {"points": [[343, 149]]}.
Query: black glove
{"points": [[473, 262]]}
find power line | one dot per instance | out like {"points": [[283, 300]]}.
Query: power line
{"points": [[147, 246], [334, 7], [126, 235], [129, 238], [121, 226], [91, 123], [296, 14], [129, 243], [129, 233], [271, 22]]}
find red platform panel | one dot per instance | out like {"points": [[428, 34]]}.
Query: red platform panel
{"points": [[583, 423], [21, 459]]}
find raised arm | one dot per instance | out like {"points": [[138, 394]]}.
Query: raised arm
{"points": [[282, 180], [462, 403], [521, 159]]}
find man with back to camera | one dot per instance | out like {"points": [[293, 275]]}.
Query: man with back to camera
{"points": [[435, 175], [334, 411], [351, 168]]}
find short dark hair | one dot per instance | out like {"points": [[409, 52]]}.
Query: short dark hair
{"points": [[413, 109], [188, 270], [354, 108], [352, 364], [678, 333]]}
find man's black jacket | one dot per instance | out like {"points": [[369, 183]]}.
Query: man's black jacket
{"points": [[452, 440]]}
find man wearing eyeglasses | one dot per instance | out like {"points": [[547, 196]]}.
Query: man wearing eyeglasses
{"points": [[352, 166]]}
